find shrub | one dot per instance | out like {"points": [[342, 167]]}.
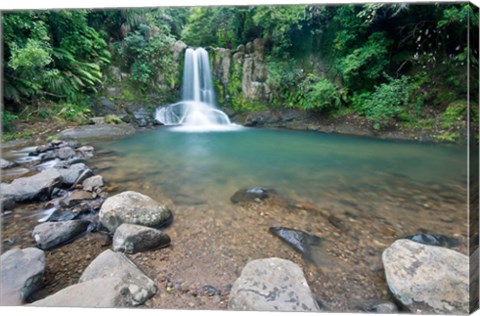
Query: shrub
{"points": [[112, 119], [7, 121]]}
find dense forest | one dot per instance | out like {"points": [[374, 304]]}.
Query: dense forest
{"points": [[390, 63]]}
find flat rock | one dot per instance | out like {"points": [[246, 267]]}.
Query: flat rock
{"points": [[427, 279], [272, 284], [65, 153], [133, 208], [108, 292], [51, 234], [77, 197], [111, 264], [21, 274], [38, 186], [91, 183], [131, 238], [97, 131], [300, 241]]}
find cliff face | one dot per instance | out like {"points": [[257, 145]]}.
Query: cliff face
{"points": [[241, 74]]}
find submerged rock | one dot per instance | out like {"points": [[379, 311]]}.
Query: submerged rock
{"points": [[427, 279], [131, 238], [111, 264], [252, 195], [133, 208], [376, 306], [49, 235], [21, 274], [434, 240], [37, 187], [272, 284], [300, 241]]}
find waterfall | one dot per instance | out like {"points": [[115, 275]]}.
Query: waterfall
{"points": [[197, 109]]}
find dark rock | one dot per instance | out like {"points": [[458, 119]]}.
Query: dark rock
{"points": [[251, 195], [210, 290], [434, 240], [272, 284], [376, 306], [133, 208], [49, 235], [21, 274], [261, 118], [300, 241], [65, 153], [7, 202], [62, 214], [335, 221], [427, 279], [130, 238]]}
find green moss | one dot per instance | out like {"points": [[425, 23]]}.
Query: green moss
{"points": [[449, 137], [454, 114], [113, 119]]}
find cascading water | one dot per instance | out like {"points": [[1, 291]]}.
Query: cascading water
{"points": [[197, 109]]}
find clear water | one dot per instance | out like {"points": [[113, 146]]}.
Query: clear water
{"points": [[212, 166]]}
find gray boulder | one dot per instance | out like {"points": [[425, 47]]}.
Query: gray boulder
{"points": [[133, 208], [5, 164], [131, 238], [108, 292], [111, 264], [65, 153], [51, 234], [75, 173], [427, 279], [91, 183], [21, 274], [38, 186], [272, 284]]}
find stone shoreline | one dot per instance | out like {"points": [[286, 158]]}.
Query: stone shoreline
{"points": [[81, 203]]}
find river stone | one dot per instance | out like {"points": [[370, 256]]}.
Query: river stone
{"points": [[111, 264], [272, 284], [77, 197], [427, 279], [133, 208], [91, 183], [21, 274], [434, 240], [108, 292], [51, 234], [131, 238], [65, 153], [5, 164], [38, 186], [75, 173], [86, 151], [251, 195]]}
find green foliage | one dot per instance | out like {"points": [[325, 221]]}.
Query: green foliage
{"points": [[319, 94], [77, 113], [389, 100], [112, 119], [7, 121], [456, 112]]}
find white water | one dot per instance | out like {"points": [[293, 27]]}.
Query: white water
{"points": [[196, 111]]}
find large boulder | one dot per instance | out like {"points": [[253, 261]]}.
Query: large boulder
{"points": [[36, 187], [427, 279], [131, 238], [108, 292], [21, 274], [272, 284], [111, 264], [133, 208], [51, 234]]}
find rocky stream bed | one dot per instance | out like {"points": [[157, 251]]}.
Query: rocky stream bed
{"points": [[78, 239]]}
